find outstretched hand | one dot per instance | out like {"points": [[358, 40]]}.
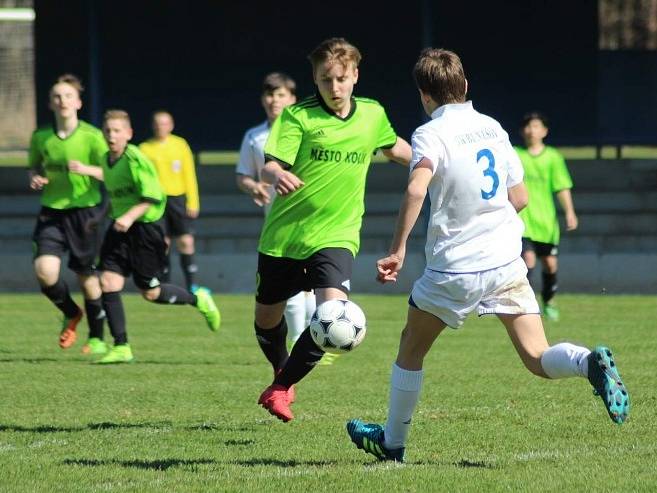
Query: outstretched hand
{"points": [[388, 268]]}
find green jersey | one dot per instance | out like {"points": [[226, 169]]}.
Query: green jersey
{"points": [[49, 156], [545, 174], [131, 180], [331, 155]]}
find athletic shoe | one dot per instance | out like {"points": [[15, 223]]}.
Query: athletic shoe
{"points": [[291, 393], [118, 354], [95, 346], [68, 335], [276, 400], [369, 437], [193, 288], [607, 383], [208, 309], [551, 312], [328, 359]]}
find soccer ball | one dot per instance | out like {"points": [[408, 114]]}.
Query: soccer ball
{"points": [[338, 326]]}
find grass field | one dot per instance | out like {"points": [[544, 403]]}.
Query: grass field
{"points": [[184, 418]]}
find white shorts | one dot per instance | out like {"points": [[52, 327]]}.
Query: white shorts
{"points": [[451, 297]]}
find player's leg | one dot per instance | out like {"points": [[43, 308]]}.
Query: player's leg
{"points": [[81, 229], [529, 256], [147, 258], [549, 264], [389, 442], [179, 227], [50, 244], [112, 284], [295, 316], [185, 246]]}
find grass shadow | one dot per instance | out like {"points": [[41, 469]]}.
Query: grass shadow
{"points": [[283, 463], [90, 426], [155, 465], [36, 360]]}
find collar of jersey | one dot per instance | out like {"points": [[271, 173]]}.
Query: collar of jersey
{"points": [[448, 108], [325, 107], [54, 130]]}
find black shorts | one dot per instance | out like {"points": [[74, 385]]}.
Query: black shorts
{"points": [[176, 220], [539, 248], [141, 251], [280, 278], [74, 230]]}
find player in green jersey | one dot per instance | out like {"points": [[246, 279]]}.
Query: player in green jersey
{"points": [[545, 174], [70, 206], [134, 243], [317, 157]]}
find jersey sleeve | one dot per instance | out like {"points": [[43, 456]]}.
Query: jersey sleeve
{"points": [[516, 173], [146, 180], [426, 145], [386, 135], [247, 163], [189, 176], [35, 158], [560, 176], [98, 149], [285, 138]]}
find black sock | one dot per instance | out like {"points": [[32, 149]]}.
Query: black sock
{"points": [[272, 342], [165, 276], [304, 357], [95, 317], [113, 307], [549, 286], [170, 294], [59, 294], [189, 268], [530, 276]]}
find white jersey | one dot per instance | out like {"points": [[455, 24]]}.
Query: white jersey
{"points": [[473, 226], [252, 156]]}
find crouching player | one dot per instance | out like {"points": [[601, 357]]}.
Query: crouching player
{"points": [[475, 183], [134, 243]]}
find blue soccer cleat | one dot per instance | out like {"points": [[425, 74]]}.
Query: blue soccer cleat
{"points": [[607, 383], [369, 437]]}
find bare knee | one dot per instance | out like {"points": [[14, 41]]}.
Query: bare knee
{"points": [[185, 244], [269, 316]]}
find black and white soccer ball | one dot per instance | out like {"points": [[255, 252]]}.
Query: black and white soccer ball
{"points": [[338, 326]]}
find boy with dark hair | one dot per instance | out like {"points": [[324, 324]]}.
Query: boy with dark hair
{"points": [[134, 244], [174, 162], [317, 157], [474, 178], [545, 174], [278, 92], [70, 204]]}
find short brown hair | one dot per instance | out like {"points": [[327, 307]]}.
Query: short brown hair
{"points": [[161, 112], [117, 115], [534, 115], [439, 74], [71, 80], [335, 50], [276, 80]]}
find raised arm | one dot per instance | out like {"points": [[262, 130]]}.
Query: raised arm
{"points": [[400, 152], [389, 267]]}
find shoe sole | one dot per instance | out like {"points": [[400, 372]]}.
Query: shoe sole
{"points": [[614, 395]]}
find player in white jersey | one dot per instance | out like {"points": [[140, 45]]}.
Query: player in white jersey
{"points": [[475, 182], [278, 91]]}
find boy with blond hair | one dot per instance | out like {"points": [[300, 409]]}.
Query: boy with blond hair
{"points": [[475, 181], [134, 243], [317, 157], [174, 162], [70, 205], [278, 92]]}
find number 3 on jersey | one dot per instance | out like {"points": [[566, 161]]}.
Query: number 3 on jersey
{"points": [[489, 171]]}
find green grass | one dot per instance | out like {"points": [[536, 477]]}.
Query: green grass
{"points": [[184, 417]]}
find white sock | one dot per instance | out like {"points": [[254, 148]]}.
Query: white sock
{"points": [[405, 389], [295, 316], [565, 360]]}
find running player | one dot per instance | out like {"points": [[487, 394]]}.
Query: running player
{"points": [[475, 182], [70, 211], [317, 156], [134, 243], [278, 92], [545, 174], [174, 162]]}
